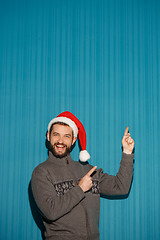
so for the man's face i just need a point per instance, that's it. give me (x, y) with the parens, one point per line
(61, 139)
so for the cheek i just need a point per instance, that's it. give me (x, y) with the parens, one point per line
(53, 140)
(68, 142)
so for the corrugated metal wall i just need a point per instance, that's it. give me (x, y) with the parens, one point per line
(99, 59)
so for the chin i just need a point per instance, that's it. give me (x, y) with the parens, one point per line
(57, 154)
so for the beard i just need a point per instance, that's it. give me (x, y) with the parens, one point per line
(58, 155)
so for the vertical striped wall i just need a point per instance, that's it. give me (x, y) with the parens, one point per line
(99, 59)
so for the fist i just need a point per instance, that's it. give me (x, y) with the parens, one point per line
(86, 182)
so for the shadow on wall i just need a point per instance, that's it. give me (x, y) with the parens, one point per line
(35, 211)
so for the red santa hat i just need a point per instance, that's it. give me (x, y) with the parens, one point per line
(78, 129)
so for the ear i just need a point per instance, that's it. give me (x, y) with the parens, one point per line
(48, 136)
(74, 139)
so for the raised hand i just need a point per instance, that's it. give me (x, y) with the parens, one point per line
(86, 182)
(127, 142)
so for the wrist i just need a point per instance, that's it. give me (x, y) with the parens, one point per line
(127, 151)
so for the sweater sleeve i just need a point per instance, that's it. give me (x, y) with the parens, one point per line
(119, 184)
(50, 205)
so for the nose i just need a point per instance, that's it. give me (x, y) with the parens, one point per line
(60, 139)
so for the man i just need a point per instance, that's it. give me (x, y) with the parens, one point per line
(67, 192)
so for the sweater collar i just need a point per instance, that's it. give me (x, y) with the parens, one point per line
(60, 161)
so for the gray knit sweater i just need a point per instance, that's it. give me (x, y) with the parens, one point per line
(69, 213)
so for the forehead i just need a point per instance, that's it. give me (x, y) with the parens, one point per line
(63, 129)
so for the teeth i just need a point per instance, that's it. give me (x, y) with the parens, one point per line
(60, 146)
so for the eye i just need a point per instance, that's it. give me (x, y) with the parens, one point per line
(55, 134)
(67, 136)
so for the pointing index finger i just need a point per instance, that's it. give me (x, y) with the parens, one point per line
(126, 131)
(91, 171)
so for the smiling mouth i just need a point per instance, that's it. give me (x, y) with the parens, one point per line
(60, 147)
(60, 150)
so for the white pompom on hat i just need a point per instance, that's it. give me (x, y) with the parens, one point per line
(78, 129)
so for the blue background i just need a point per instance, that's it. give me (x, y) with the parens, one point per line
(99, 59)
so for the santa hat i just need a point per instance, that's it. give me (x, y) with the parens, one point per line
(78, 129)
